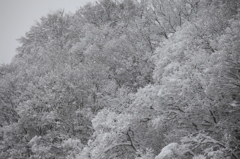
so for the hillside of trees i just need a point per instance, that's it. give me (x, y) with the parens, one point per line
(126, 79)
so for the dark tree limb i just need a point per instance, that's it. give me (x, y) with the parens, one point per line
(130, 139)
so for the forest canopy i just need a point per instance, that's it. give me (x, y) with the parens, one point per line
(126, 79)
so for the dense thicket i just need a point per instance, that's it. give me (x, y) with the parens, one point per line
(130, 79)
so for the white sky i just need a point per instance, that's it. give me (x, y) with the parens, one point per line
(17, 16)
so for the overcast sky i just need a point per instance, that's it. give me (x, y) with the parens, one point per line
(17, 16)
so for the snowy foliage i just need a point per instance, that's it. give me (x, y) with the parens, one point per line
(127, 79)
